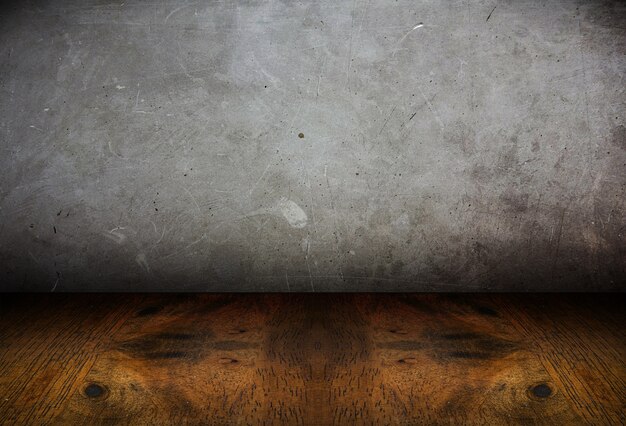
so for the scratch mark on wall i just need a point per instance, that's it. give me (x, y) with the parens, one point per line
(193, 199)
(431, 108)
(173, 12)
(387, 120)
(420, 25)
(258, 180)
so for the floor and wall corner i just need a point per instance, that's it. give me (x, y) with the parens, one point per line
(315, 212)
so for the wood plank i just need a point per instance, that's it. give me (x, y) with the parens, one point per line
(312, 359)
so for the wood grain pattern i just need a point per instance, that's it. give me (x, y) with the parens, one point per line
(316, 359)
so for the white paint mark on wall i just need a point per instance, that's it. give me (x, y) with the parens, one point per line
(402, 224)
(420, 25)
(292, 212)
(116, 236)
(118, 87)
(143, 262)
(289, 210)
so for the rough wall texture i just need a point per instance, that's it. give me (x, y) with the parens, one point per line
(313, 145)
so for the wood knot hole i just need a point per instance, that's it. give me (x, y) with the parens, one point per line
(94, 390)
(541, 390)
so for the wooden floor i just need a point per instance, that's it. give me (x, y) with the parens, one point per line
(312, 359)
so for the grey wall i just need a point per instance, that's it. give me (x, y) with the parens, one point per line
(447, 145)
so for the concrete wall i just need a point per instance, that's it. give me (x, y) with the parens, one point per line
(313, 145)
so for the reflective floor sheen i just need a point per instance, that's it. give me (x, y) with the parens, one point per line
(313, 359)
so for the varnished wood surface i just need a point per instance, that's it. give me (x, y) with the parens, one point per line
(316, 359)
